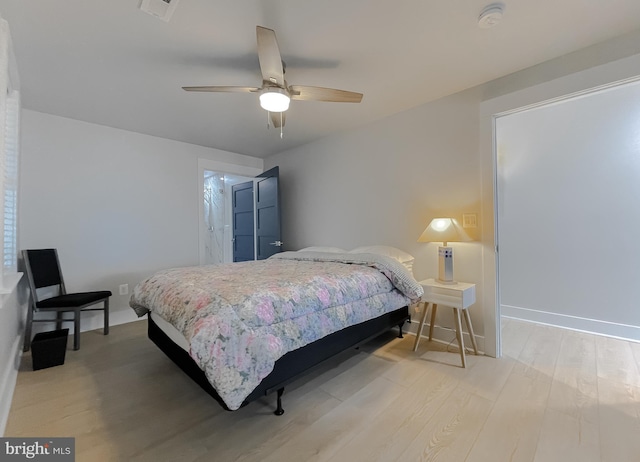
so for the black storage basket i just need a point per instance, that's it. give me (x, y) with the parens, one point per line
(49, 348)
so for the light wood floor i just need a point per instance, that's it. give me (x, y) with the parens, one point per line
(557, 395)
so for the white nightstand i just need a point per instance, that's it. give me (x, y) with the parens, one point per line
(459, 296)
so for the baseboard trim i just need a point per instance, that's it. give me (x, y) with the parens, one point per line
(8, 383)
(593, 326)
(92, 320)
(116, 317)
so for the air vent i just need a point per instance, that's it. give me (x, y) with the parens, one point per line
(161, 9)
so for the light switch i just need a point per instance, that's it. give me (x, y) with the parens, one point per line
(469, 220)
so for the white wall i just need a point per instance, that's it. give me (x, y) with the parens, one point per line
(568, 217)
(383, 183)
(117, 205)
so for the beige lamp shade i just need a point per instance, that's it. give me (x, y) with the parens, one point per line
(444, 230)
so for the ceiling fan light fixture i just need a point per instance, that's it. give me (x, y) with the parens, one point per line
(274, 100)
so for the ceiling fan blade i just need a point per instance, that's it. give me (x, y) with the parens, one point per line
(269, 56)
(220, 88)
(275, 119)
(301, 92)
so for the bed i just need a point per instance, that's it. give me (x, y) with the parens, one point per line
(244, 330)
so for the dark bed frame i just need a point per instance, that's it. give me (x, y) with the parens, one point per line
(293, 364)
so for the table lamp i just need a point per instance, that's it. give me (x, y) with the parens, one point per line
(444, 230)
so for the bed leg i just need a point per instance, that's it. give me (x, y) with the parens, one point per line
(400, 334)
(279, 410)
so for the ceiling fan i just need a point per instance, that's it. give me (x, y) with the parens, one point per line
(275, 92)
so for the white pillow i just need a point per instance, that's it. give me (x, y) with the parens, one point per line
(323, 249)
(392, 252)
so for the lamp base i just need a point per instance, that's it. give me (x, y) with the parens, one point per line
(450, 282)
(445, 265)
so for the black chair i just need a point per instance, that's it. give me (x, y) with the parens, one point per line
(43, 271)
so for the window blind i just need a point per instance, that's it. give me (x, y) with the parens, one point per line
(9, 171)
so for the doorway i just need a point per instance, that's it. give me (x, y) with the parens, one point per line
(255, 208)
(218, 215)
(228, 232)
(211, 246)
(503, 103)
(567, 189)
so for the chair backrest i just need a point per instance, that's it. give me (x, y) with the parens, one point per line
(43, 269)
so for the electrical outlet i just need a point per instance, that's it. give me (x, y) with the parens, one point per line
(124, 289)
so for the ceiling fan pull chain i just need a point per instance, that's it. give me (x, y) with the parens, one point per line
(281, 125)
(268, 117)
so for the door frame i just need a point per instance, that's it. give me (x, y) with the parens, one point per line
(222, 167)
(596, 78)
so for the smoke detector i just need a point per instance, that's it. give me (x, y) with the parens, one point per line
(161, 9)
(491, 15)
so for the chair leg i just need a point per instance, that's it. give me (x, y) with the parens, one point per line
(59, 317)
(76, 330)
(27, 329)
(106, 317)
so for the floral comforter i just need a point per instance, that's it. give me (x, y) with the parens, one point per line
(239, 318)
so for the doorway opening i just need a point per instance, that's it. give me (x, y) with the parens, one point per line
(239, 212)
(566, 176)
(218, 217)
(210, 251)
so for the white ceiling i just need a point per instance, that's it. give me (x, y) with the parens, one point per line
(107, 62)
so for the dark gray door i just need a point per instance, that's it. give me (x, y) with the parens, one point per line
(242, 208)
(268, 239)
